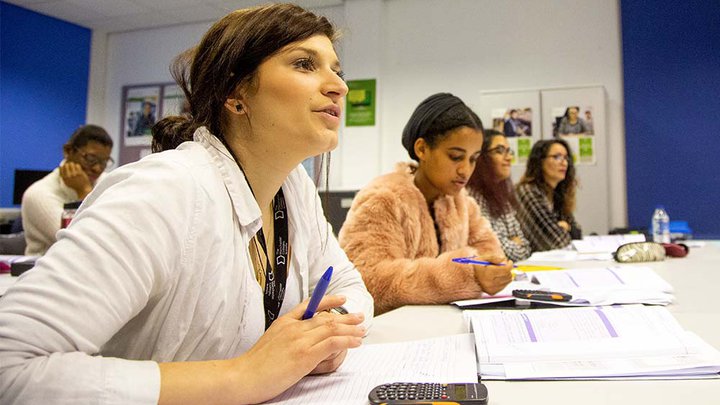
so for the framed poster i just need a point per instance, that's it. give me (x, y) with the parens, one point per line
(140, 109)
(142, 106)
(575, 123)
(517, 115)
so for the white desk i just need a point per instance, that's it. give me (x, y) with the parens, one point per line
(696, 279)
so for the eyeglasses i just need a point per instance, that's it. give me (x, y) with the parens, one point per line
(559, 157)
(88, 161)
(502, 150)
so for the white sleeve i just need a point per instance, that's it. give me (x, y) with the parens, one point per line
(41, 212)
(100, 274)
(324, 251)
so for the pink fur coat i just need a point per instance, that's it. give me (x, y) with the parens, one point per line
(390, 236)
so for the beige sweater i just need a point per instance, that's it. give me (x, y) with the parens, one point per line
(390, 236)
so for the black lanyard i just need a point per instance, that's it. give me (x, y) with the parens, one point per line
(275, 280)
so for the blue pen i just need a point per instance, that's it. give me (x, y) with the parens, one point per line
(317, 295)
(470, 260)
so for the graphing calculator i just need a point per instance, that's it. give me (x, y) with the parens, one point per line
(429, 393)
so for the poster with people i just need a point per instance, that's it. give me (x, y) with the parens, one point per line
(515, 113)
(140, 106)
(517, 125)
(574, 123)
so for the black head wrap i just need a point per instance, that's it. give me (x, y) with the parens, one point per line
(423, 118)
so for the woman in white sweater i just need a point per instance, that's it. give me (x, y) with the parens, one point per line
(183, 277)
(86, 155)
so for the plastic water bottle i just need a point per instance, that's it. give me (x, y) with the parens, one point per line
(660, 225)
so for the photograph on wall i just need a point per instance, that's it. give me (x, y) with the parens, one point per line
(360, 103)
(516, 124)
(141, 108)
(574, 123)
(174, 102)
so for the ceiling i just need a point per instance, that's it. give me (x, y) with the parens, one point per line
(128, 15)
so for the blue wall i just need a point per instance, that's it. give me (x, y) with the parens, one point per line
(671, 63)
(44, 66)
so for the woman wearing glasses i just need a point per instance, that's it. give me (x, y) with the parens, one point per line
(492, 187)
(86, 156)
(547, 196)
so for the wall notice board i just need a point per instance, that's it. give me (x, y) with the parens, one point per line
(142, 106)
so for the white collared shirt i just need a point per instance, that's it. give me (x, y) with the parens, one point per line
(155, 267)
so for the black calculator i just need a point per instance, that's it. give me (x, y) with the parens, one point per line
(426, 393)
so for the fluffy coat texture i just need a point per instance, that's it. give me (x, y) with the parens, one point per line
(390, 236)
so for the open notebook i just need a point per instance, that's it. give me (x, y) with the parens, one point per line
(445, 359)
(632, 341)
(588, 287)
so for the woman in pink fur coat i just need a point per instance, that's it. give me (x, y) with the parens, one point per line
(404, 228)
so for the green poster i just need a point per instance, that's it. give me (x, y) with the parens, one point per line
(586, 150)
(523, 150)
(360, 105)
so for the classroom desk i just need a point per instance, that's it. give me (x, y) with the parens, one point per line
(696, 279)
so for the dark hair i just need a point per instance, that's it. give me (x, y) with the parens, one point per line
(88, 133)
(434, 117)
(567, 110)
(228, 57)
(564, 193)
(499, 195)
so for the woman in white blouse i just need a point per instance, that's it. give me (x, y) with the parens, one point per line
(183, 277)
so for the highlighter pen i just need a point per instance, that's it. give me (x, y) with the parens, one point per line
(317, 295)
(470, 260)
(541, 295)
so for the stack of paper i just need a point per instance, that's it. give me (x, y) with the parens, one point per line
(605, 243)
(594, 247)
(449, 359)
(588, 343)
(594, 286)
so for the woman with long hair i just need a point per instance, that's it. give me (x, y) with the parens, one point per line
(404, 228)
(547, 196)
(491, 185)
(184, 276)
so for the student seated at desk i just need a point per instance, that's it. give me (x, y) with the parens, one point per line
(182, 277)
(491, 186)
(547, 196)
(86, 155)
(404, 228)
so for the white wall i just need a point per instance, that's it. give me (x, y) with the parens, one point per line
(416, 48)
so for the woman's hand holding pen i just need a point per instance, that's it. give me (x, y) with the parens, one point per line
(293, 348)
(493, 278)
